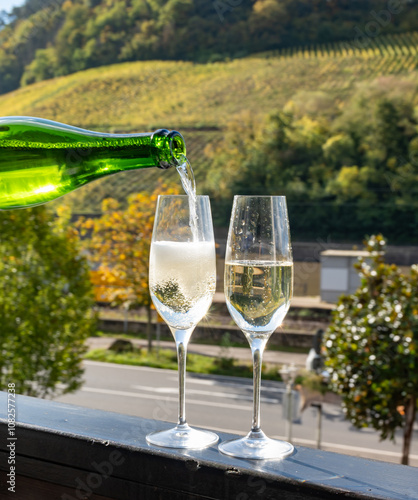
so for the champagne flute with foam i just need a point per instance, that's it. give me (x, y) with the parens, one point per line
(182, 280)
(258, 289)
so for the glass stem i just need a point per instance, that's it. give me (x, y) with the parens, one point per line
(257, 349)
(182, 338)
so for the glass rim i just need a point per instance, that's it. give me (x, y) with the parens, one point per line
(258, 196)
(182, 196)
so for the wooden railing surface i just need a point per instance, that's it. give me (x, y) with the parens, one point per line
(65, 452)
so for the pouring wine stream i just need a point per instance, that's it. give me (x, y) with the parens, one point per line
(189, 185)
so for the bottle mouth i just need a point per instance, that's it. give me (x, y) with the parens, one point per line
(177, 146)
(173, 152)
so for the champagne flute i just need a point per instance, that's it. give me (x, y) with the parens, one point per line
(258, 289)
(182, 280)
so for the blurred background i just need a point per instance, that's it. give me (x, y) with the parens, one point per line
(313, 99)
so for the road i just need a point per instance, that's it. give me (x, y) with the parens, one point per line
(224, 404)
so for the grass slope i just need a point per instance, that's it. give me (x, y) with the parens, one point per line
(196, 363)
(200, 99)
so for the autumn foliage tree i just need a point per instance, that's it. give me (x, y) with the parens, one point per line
(119, 244)
(372, 348)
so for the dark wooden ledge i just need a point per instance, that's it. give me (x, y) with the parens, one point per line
(65, 452)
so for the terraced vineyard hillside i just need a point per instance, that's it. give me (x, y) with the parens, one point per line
(200, 99)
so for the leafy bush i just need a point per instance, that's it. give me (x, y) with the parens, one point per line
(372, 348)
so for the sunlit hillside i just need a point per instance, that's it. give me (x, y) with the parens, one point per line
(198, 99)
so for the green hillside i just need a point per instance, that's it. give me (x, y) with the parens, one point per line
(47, 38)
(134, 96)
(200, 99)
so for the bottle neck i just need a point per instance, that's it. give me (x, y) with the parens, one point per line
(170, 146)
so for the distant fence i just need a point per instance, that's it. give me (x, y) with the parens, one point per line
(213, 333)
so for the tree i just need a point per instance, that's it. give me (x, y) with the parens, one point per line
(119, 244)
(345, 169)
(41, 68)
(372, 348)
(9, 72)
(45, 304)
(277, 156)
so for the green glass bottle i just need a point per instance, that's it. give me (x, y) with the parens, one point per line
(41, 160)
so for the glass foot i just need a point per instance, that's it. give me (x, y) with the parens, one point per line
(183, 436)
(256, 446)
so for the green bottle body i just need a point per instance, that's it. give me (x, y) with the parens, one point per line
(41, 160)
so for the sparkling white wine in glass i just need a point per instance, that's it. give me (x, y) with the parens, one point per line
(182, 279)
(258, 293)
(258, 289)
